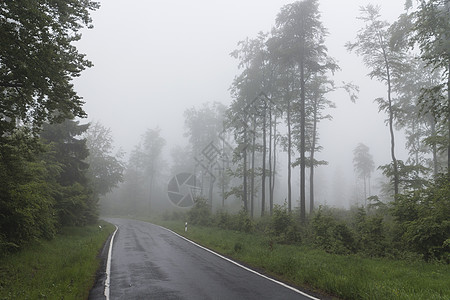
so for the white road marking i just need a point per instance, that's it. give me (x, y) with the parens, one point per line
(243, 267)
(108, 265)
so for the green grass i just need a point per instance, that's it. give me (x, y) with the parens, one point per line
(346, 277)
(63, 268)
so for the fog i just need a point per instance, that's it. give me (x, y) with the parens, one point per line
(155, 59)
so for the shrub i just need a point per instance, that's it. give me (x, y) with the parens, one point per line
(223, 220)
(332, 235)
(200, 213)
(243, 222)
(423, 218)
(283, 225)
(370, 233)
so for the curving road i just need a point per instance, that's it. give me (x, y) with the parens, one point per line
(150, 262)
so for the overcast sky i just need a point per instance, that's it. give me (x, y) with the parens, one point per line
(154, 59)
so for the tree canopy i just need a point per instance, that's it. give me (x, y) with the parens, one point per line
(38, 61)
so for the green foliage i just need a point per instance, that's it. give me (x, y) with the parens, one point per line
(200, 213)
(26, 193)
(424, 219)
(283, 225)
(369, 233)
(39, 61)
(105, 170)
(409, 176)
(75, 201)
(40, 185)
(244, 222)
(332, 235)
(342, 276)
(240, 221)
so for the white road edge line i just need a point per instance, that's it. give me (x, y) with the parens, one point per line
(108, 265)
(243, 267)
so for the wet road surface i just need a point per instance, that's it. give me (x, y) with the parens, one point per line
(150, 262)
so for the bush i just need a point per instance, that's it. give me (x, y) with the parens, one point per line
(283, 225)
(223, 220)
(423, 219)
(332, 235)
(200, 213)
(370, 234)
(243, 222)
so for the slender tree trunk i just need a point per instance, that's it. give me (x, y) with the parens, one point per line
(223, 166)
(302, 142)
(313, 148)
(263, 177)
(365, 191)
(391, 120)
(274, 156)
(289, 156)
(433, 146)
(211, 189)
(150, 193)
(391, 130)
(252, 183)
(270, 162)
(448, 114)
(417, 143)
(244, 192)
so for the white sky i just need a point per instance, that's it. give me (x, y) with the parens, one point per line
(153, 59)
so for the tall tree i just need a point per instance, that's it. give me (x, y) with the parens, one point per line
(150, 152)
(422, 129)
(250, 90)
(76, 203)
(431, 32)
(303, 36)
(364, 166)
(318, 88)
(38, 61)
(203, 127)
(105, 169)
(384, 61)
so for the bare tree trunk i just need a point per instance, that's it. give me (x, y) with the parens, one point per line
(313, 148)
(263, 177)
(365, 191)
(391, 119)
(302, 142)
(244, 192)
(270, 162)
(289, 156)
(252, 183)
(391, 130)
(448, 114)
(150, 193)
(211, 189)
(274, 156)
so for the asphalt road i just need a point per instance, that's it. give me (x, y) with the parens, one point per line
(150, 262)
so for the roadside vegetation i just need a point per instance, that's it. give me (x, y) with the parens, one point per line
(62, 268)
(378, 252)
(343, 276)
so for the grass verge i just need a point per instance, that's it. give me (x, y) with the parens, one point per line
(345, 277)
(63, 268)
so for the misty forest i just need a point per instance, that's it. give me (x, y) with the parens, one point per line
(249, 165)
